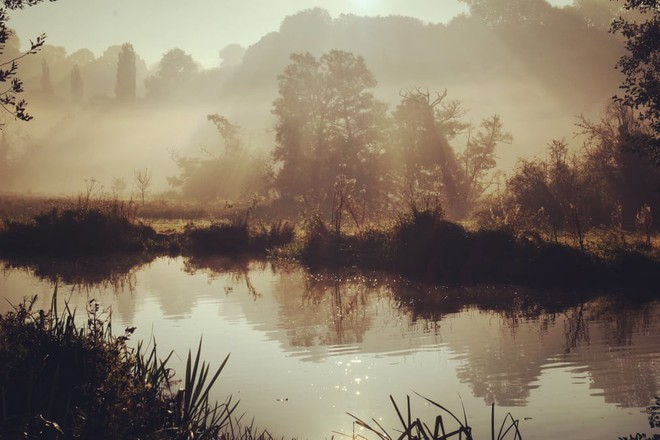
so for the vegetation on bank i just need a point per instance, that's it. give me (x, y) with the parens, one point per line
(420, 244)
(64, 380)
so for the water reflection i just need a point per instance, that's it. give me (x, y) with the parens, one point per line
(325, 336)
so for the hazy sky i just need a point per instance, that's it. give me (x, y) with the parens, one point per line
(199, 27)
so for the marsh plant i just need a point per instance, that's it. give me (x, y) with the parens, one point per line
(63, 380)
(413, 428)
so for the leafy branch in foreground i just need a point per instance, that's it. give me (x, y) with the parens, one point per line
(9, 101)
(415, 429)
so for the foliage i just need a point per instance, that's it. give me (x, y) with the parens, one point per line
(328, 125)
(9, 68)
(76, 85)
(61, 380)
(423, 126)
(174, 69)
(230, 172)
(82, 230)
(503, 12)
(236, 237)
(125, 86)
(432, 171)
(605, 184)
(414, 428)
(642, 63)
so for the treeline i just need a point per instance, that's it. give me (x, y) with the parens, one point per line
(525, 38)
(339, 144)
(339, 151)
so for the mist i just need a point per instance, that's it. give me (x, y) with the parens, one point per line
(537, 77)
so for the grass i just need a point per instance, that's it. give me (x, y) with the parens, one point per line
(414, 428)
(419, 244)
(423, 246)
(64, 380)
(61, 380)
(77, 231)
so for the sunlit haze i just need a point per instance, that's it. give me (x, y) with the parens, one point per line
(199, 27)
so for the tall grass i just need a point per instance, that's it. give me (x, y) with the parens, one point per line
(413, 428)
(62, 380)
(79, 230)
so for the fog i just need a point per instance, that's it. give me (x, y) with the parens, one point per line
(537, 70)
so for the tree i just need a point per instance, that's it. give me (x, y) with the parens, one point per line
(76, 85)
(230, 172)
(142, 182)
(125, 84)
(9, 68)
(175, 69)
(328, 126)
(46, 83)
(423, 127)
(500, 12)
(479, 158)
(641, 65)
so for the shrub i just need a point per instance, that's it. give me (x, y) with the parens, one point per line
(63, 232)
(60, 380)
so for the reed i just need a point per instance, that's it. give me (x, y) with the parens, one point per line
(60, 379)
(413, 428)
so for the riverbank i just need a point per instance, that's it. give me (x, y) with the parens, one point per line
(420, 245)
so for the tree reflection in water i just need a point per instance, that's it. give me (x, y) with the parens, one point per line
(504, 339)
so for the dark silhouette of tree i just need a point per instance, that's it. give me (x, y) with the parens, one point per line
(328, 125)
(423, 126)
(642, 68)
(616, 173)
(502, 12)
(174, 70)
(9, 68)
(76, 85)
(142, 183)
(606, 183)
(642, 64)
(125, 85)
(47, 88)
(479, 158)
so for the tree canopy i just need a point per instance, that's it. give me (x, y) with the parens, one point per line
(641, 66)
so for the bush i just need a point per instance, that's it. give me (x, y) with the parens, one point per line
(60, 380)
(75, 231)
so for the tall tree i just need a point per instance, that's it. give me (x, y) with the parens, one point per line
(328, 126)
(479, 158)
(47, 88)
(423, 126)
(76, 83)
(125, 85)
(174, 70)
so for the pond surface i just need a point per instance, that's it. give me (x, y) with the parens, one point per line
(307, 349)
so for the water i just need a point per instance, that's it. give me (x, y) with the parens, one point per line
(306, 349)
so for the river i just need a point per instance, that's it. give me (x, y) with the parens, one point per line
(305, 349)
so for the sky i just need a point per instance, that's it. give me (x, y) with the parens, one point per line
(199, 27)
